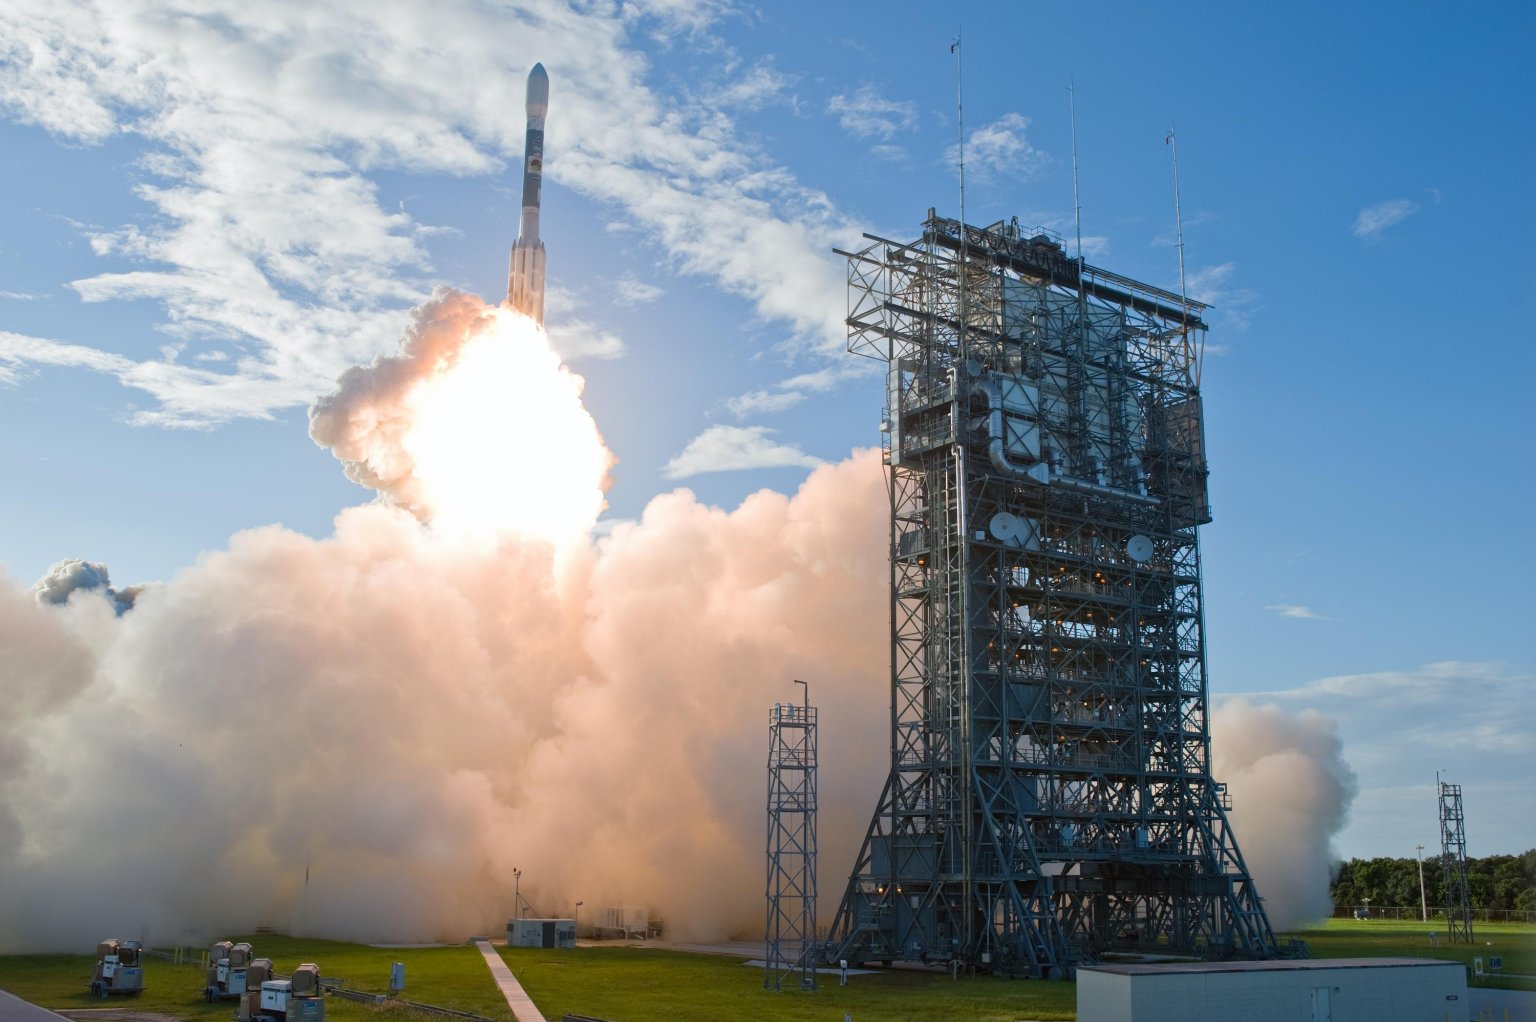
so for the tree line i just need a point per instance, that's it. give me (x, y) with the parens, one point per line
(1493, 882)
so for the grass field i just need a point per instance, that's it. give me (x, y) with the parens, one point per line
(1515, 943)
(636, 984)
(453, 977)
(642, 985)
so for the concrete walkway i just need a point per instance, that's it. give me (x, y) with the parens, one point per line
(14, 1009)
(521, 1005)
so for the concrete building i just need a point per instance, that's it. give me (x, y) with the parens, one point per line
(1320, 990)
(541, 933)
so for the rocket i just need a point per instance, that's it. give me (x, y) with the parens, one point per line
(525, 277)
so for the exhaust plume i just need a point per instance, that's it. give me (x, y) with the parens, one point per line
(361, 736)
(1291, 792)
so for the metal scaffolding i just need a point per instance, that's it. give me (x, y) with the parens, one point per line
(1453, 863)
(791, 930)
(1049, 795)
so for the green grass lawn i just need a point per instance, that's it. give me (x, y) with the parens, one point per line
(638, 984)
(452, 977)
(642, 985)
(1350, 938)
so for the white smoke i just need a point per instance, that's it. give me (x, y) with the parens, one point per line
(362, 736)
(1291, 790)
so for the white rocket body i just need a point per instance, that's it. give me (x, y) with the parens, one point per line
(525, 275)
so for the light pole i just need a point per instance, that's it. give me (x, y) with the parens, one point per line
(517, 893)
(576, 918)
(1423, 902)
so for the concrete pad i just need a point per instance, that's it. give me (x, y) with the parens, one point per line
(521, 1004)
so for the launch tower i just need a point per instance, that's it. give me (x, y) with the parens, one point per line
(1050, 795)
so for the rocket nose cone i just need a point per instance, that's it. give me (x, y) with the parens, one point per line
(538, 91)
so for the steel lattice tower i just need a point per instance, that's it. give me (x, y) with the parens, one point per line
(791, 930)
(1453, 864)
(1049, 794)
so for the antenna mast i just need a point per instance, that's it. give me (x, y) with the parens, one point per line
(960, 124)
(1077, 200)
(1172, 140)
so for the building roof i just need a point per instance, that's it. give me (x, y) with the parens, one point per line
(1280, 965)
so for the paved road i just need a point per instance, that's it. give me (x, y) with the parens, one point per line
(14, 1009)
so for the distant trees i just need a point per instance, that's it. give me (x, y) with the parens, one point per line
(1494, 882)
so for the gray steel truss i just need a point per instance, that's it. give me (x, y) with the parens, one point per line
(790, 935)
(1050, 795)
(1453, 863)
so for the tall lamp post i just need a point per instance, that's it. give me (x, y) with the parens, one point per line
(576, 918)
(517, 893)
(1423, 902)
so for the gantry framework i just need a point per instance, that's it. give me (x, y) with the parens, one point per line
(790, 936)
(1453, 864)
(1050, 795)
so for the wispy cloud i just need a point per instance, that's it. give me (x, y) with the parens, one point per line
(788, 393)
(264, 125)
(20, 296)
(864, 113)
(19, 350)
(631, 290)
(1296, 610)
(1372, 220)
(1214, 286)
(1000, 150)
(759, 86)
(729, 448)
(757, 402)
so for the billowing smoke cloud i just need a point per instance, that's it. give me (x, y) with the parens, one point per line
(1291, 791)
(362, 736)
(71, 576)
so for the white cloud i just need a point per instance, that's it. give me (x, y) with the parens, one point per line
(574, 339)
(631, 290)
(1295, 610)
(20, 296)
(760, 86)
(864, 113)
(19, 350)
(792, 391)
(1372, 220)
(1000, 150)
(756, 402)
(1213, 286)
(264, 124)
(729, 448)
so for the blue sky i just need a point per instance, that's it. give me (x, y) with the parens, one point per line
(211, 214)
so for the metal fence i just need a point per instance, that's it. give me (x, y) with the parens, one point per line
(1436, 915)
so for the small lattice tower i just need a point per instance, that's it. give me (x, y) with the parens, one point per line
(1453, 864)
(791, 930)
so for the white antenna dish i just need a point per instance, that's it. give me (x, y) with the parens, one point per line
(1139, 548)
